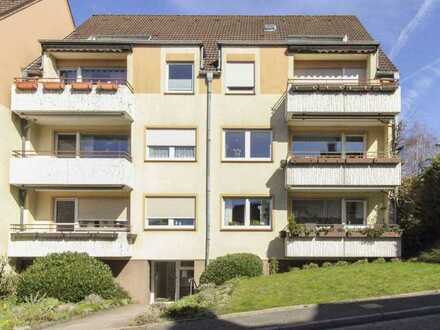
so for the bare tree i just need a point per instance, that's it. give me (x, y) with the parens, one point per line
(419, 147)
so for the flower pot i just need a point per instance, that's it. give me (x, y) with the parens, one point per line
(53, 85)
(82, 86)
(27, 85)
(107, 86)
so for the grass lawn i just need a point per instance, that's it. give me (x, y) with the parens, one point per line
(323, 285)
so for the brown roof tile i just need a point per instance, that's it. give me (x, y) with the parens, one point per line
(9, 6)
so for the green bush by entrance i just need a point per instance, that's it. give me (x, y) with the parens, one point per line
(230, 266)
(68, 277)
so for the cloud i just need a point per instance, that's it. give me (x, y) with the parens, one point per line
(404, 35)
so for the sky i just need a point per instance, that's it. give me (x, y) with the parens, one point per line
(408, 30)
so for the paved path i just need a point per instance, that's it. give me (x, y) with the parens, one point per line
(111, 319)
(322, 316)
(428, 322)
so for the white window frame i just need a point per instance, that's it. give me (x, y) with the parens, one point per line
(344, 213)
(65, 199)
(238, 89)
(167, 71)
(247, 146)
(77, 142)
(170, 225)
(344, 143)
(247, 214)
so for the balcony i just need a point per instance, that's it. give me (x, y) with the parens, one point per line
(87, 170)
(100, 238)
(341, 97)
(50, 101)
(335, 172)
(330, 241)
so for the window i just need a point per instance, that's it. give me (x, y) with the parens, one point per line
(329, 211)
(240, 77)
(180, 77)
(68, 75)
(329, 75)
(354, 145)
(170, 212)
(354, 212)
(104, 145)
(247, 145)
(66, 145)
(171, 144)
(244, 212)
(316, 146)
(118, 75)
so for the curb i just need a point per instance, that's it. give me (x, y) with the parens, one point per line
(359, 320)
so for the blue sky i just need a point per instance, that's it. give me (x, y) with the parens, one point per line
(407, 29)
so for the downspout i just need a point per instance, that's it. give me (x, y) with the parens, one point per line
(24, 126)
(209, 77)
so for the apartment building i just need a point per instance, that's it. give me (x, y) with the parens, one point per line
(22, 24)
(158, 143)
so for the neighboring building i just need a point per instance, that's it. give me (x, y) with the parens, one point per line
(22, 24)
(301, 111)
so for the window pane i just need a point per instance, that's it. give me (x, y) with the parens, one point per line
(104, 145)
(184, 152)
(68, 76)
(158, 152)
(158, 222)
(317, 211)
(316, 146)
(354, 212)
(183, 222)
(234, 212)
(261, 144)
(180, 77)
(95, 75)
(260, 212)
(354, 145)
(235, 144)
(66, 144)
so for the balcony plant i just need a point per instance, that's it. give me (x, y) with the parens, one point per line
(107, 86)
(53, 85)
(26, 85)
(82, 86)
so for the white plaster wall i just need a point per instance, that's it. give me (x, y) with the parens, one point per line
(343, 247)
(96, 248)
(72, 101)
(46, 170)
(370, 175)
(316, 102)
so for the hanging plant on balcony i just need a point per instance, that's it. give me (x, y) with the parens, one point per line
(82, 86)
(53, 85)
(295, 229)
(107, 86)
(26, 85)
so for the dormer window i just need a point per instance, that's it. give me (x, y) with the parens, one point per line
(270, 27)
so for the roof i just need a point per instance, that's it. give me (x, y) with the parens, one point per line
(9, 6)
(210, 29)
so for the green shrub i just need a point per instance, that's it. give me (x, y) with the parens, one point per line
(327, 264)
(274, 266)
(341, 263)
(379, 261)
(431, 256)
(8, 279)
(361, 262)
(230, 266)
(68, 277)
(294, 269)
(311, 265)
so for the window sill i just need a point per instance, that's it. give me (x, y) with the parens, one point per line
(243, 228)
(240, 93)
(228, 160)
(170, 161)
(179, 93)
(164, 228)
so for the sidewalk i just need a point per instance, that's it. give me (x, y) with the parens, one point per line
(322, 316)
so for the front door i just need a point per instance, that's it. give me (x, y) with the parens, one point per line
(172, 280)
(65, 213)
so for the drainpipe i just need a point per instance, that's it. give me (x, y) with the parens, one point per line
(209, 77)
(24, 126)
(22, 201)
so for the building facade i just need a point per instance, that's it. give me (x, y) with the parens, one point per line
(158, 143)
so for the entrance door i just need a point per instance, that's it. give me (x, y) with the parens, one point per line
(65, 213)
(186, 276)
(164, 280)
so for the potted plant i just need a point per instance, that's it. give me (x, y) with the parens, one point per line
(107, 86)
(82, 86)
(26, 84)
(53, 85)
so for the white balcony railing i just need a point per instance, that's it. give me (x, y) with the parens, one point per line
(341, 97)
(98, 238)
(337, 172)
(47, 170)
(30, 97)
